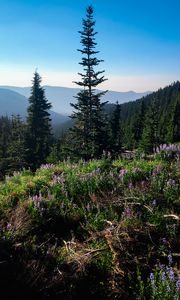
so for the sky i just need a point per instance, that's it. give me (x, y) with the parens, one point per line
(138, 40)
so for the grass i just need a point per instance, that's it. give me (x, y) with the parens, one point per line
(86, 229)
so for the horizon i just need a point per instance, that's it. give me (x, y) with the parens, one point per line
(139, 43)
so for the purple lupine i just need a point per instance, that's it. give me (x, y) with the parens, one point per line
(178, 284)
(170, 259)
(164, 240)
(128, 213)
(130, 185)
(8, 226)
(171, 274)
(152, 279)
(171, 183)
(168, 149)
(163, 277)
(154, 203)
(157, 170)
(47, 166)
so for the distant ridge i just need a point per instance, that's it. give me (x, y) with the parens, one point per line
(60, 97)
(11, 102)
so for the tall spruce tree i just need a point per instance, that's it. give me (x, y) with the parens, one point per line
(38, 125)
(89, 131)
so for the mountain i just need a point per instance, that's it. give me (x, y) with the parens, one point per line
(61, 97)
(11, 102)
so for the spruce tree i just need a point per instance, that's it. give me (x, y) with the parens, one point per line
(116, 132)
(5, 138)
(138, 124)
(150, 138)
(89, 132)
(38, 125)
(16, 147)
(176, 120)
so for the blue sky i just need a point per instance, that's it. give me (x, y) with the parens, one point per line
(139, 41)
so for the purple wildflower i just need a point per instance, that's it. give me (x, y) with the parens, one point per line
(163, 277)
(170, 259)
(164, 240)
(178, 284)
(47, 166)
(130, 185)
(8, 226)
(154, 203)
(171, 274)
(122, 172)
(152, 278)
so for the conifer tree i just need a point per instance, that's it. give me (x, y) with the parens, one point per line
(89, 130)
(5, 137)
(116, 132)
(150, 137)
(38, 125)
(138, 124)
(16, 147)
(176, 120)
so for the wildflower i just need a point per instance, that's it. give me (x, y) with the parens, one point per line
(47, 166)
(171, 274)
(122, 172)
(157, 170)
(130, 185)
(171, 183)
(163, 277)
(152, 280)
(8, 226)
(154, 203)
(128, 213)
(170, 259)
(178, 284)
(164, 240)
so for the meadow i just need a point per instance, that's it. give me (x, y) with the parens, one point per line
(101, 229)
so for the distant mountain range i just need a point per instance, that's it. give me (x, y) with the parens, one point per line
(12, 102)
(60, 97)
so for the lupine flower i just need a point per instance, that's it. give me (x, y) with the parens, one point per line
(164, 240)
(130, 185)
(47, 166)
(152, 278)
(157, 170)
(178, 284)
(163, 277)
(154, 203)
(170, 259)
(171, 274)
(8, 226)
(171, 183)
(128, 213)
(122, 173)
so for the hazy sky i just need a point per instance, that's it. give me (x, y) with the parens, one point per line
(139, 41)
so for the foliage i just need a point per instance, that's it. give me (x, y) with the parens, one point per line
(38, 126)
(88, 133)
(94, 221)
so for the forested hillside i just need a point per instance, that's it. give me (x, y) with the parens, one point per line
(167, 105)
